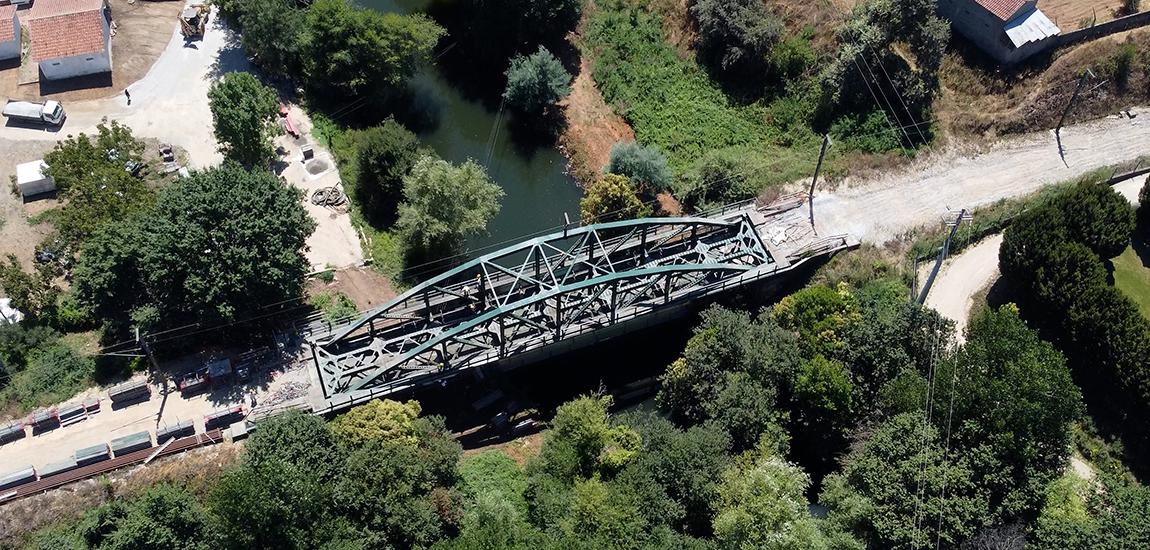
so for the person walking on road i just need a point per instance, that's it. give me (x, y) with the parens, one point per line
(128, 95)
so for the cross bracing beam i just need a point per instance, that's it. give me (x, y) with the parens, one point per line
(536, 293)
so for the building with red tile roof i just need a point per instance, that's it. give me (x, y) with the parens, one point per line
(1010, 31)
(70, 37)
(9, 34)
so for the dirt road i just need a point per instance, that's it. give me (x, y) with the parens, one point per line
(964, 275)
(960, 279)
(879, 210)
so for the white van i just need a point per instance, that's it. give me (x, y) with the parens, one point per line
(50, 113)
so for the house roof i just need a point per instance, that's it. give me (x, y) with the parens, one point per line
(52, 8)
(7, 31)
(66, 35)
(1032, 26)
(1002, 9)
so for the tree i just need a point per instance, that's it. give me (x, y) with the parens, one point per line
(244, 112)
(384, 156)
(352, 52)
(280, 496)
(34, 294)
(163, 517)
(762, 505)
(645, 166)
(1012, 402)
(273, 33)
(93, 175)
(1098, 217)
(582, 442)
(53, 374)
(903, 490)
(445, 204)
(382, 420)
(536, 82)
(222, 242)
(820, 315)
(736, 36)
(686, 466)
(611, 198)
(1065, 274)
(726, 341)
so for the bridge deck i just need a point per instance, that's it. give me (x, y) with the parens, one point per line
(555, 289)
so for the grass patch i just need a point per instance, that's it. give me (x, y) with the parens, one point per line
(383, 247)
(672, 104)
(336, 306)
(1133, 279)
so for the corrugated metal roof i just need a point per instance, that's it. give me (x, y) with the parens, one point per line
(1032, 26)
(1003, 9)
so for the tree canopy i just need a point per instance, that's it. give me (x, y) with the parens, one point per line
(244, 112)
(445, 204)
(611, 198)
(646, 167)
(221, 243)
(535, 83)
(385, 155)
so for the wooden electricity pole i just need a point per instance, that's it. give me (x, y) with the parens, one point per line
(818, 168)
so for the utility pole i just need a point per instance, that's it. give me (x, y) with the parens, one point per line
(142, 340)
(818, 168)
(942, 254)
(1074, 98)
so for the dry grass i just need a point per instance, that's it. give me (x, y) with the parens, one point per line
(196, 471)
(520, 450)
(1070, 15)
(978, 100)
(823, 17)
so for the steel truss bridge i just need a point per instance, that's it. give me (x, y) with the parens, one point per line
(551, 292)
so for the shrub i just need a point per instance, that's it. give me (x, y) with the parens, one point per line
(611, 198)
(1124, 64)
(335, 306)
(53, 374)
(536, 82)
(646, 167)
(736, 36)
(445, 204)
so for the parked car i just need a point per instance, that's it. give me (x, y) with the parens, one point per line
(49, 113)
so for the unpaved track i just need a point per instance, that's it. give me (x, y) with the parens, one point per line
(965, 275)
(879, 210)
(960, 279)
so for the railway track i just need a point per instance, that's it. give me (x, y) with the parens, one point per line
(92, 470)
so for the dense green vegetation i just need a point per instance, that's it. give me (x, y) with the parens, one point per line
(1057, 258)
(443, 205)
(953, 445)
(203, 253)
(37, 368)
(340, 50)
(244, 112)
(611, 198)
(645, 166)
(536, 82)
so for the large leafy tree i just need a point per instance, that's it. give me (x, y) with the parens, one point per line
(273, 32)
(536, 82)
(162, 517)
(384, 156)
(904, 490)
(762, 505)
(351, 51)
(244, 112)
(94, 180)
(445, 204)
(223, 242)
(1098, 217)
(1008, 399)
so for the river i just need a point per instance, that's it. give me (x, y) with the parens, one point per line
(458, 128)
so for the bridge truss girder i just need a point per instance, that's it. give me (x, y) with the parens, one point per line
(536, 293)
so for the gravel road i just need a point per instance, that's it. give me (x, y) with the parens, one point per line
(881, 209)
